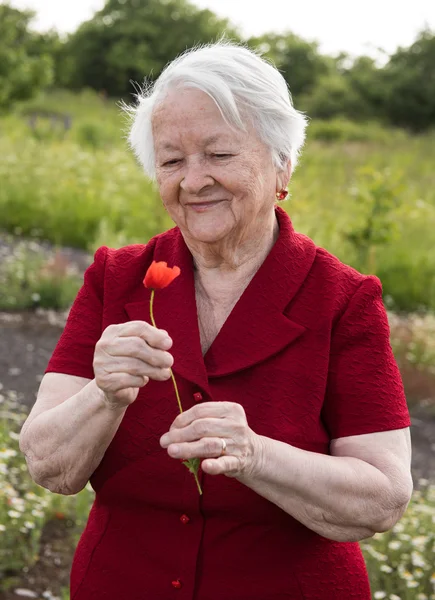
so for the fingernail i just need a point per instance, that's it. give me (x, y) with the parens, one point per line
(164, 440)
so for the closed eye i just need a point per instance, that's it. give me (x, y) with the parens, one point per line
(221, 155)
(168, 163)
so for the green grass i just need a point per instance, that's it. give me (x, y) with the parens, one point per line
(82, 188)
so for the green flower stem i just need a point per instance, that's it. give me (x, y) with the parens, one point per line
(191, 465)
(195, 474)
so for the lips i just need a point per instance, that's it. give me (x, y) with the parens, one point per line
(204, 205)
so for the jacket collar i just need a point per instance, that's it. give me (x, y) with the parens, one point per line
(257, 327)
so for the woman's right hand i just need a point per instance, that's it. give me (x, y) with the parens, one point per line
(127, 356)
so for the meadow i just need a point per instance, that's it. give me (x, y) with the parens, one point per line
(365, 193)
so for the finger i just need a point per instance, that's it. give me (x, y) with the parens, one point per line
(143, 370)
(207, 409)
(224, 465)
(200, 428)
(157, 338)
(123, 381)
(136, 347)
(204, 448)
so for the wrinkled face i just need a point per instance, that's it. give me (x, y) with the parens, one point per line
(214, 181)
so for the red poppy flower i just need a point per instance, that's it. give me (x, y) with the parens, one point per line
(159, 275)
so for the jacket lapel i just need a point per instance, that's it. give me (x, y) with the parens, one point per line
(257, 327)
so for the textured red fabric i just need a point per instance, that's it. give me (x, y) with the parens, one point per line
(305, 351)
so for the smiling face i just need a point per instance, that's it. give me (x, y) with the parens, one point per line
(217, 184)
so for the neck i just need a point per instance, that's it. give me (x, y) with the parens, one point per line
(223, 268)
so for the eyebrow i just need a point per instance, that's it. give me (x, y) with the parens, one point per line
(210, 140)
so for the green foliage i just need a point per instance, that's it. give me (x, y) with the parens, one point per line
(376, 194)
(299, 61)
(28, 279)
(334, 96)
(25, 62)
(68, 205)
(400, 562)
(410, 84)
(129, 40)
(369, 198)
(366, 81)
(24, 506)
(343, 130)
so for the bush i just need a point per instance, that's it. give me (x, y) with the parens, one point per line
(30, 279)
(343, 130)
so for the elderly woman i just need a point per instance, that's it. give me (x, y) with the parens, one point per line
(292, 399)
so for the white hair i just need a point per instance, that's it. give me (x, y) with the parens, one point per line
(244, 86)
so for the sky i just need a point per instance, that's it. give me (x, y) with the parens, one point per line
(337, 25)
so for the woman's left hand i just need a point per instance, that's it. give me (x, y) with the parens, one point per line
(199, 431)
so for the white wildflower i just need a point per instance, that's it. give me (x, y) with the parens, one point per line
(394, 545)
(418, 560)
(7, 453)
(386, 569)
(420, 541)
(380, 595)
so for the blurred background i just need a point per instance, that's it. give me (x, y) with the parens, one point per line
(364, 189)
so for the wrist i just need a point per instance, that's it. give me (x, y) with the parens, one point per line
(255, 466)
(106, 402)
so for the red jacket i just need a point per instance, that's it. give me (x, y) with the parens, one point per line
(305, 351)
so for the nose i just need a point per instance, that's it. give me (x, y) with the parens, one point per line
(196, 177)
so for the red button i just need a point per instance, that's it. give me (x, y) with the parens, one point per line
(176, 584)
(197, 397)
(184, 519)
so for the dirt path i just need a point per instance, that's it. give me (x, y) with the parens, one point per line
(27, 341)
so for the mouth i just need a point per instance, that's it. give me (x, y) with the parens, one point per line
(203, 206)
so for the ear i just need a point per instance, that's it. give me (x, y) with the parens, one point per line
(283, 176)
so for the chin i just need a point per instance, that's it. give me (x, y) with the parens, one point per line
(208, 231)
(207, 236)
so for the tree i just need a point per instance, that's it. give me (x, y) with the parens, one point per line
(410, 84)
(25, 64)
(367, 81)
(333, 96)
(131, 39)
(299, 61)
